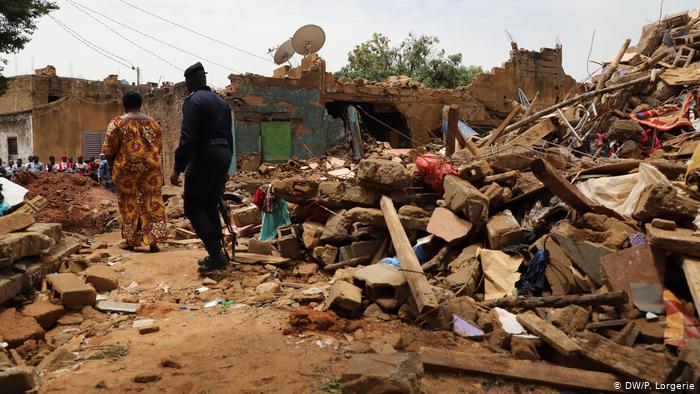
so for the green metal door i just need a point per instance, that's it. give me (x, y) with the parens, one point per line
(276, 141)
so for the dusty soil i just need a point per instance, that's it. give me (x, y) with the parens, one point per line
(239, 348)
(80, 204)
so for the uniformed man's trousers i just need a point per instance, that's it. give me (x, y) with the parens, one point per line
(205, 179)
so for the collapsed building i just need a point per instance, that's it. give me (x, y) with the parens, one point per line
(303, 111)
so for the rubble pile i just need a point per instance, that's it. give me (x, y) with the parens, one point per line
(75, 201)
(568, 232)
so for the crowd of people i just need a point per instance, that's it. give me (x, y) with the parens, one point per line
(97, 169)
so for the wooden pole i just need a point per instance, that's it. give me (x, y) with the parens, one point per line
(420, 289)
(611, 69)
(613, 298)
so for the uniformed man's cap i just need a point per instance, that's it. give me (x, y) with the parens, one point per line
(197, 67)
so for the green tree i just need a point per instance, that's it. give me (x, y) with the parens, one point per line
(417, 57)
(17, 23)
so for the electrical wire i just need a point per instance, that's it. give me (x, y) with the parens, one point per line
(196, 32)
(111, 56)
(122, 36)
(156, 39)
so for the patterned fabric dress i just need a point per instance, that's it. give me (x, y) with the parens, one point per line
(135, 141)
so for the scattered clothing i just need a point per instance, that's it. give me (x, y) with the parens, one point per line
(532, 277)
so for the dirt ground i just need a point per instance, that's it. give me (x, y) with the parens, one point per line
(239, 348)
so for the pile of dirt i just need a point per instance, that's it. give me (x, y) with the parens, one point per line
(77, 202)
(306, 319)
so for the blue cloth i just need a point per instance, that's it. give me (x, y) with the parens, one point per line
(464, 129)
(4, 207)
(396, 263)
(392, 261)
(206, 117)
(271, 221)
(532, 277)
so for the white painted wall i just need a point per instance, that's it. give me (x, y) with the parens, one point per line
(17, 125)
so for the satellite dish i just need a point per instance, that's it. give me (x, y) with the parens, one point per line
(308, 39)
(284, 52)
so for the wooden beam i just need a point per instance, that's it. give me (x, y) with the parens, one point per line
(681, 240)
(562, 188)
(420, 289)
(498, 131)
(553, 336)
(575, 100)
(628, 361)
(528, 371)
(452, 129)
(613, 298)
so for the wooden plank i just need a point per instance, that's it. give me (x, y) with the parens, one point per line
(628, 361)
(562, 188)
(553, 336)
(15, 221)
(681, 240)
(691, 268)
(681, 76)
(420, 289)
(498, 132)
(612, 298)
(534, 134)
(452, 129)
(607, 324)
(253, 258)
(528, 371)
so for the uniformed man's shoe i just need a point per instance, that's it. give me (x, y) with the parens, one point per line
(219, 261)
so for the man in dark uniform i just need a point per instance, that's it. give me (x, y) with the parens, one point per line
(204, 154)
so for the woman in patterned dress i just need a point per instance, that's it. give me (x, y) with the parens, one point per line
(133, 147)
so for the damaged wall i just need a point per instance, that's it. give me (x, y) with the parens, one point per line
(29, 91)
(303, 96)
(257, 99)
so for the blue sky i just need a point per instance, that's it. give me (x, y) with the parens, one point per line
(474, 28)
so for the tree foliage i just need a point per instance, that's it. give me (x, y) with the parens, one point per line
(17, 23)
(417, 57)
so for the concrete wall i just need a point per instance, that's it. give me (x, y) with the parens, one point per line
(59, 126)
(16, 125)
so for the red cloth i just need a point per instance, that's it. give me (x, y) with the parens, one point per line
(666, 117)
(680, 325)
(433, 169)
